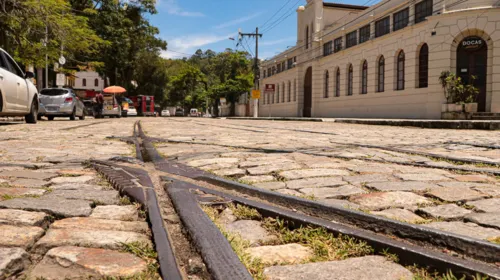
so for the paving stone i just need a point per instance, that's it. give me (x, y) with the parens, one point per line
(325, 164)
(71, 262)
(29, 183)
(22, 218)
(19, 236)
(79, 179)
(227, 216)
(271, 185)
(307, 173)
(485, 219)
(115, 212)
(399, 214)
(53, 206)
(7, 193)
(267, 169)
(315, 182)
(421, 177)
(263, 161)
(202, 162)
(491, 190)
(382, 200)
(256, 179)
(401, 186)
(473, 178)
(337, 192)
(486, 205)
(339, 203)
(369, 178)
(100, 224)
(217, 166)
(467, 229)
(289, 253)
(106, 239)
(445, 211)
(369, 169)
(27, 174)
(290, 192)
(12, 261)
(251, 231)
(98, 196)
(463, 184)
(369, 267)
(76, 186)
(232, 172)
(455, 194)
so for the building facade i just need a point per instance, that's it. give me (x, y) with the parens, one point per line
(384, 61)
(88, 80)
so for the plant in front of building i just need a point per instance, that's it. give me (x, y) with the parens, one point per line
(456, 91)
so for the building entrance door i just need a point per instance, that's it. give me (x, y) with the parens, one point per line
(308, 93)
(472, 55)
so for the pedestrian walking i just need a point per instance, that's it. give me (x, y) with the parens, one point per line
(100, 103)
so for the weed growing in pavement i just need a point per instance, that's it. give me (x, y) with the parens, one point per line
(308, 196)
(96, 203)
(124, 200)
(101, 181)
(495, 240)
(325, 245)
(420, 273)
(390, 256)
(8, 196)
(245, 213)
(70, 175)
(144, 251)
(39, 158)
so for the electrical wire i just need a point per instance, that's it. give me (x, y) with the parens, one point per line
(264, 24)
(282, 18)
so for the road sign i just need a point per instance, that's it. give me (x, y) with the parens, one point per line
(62, 60)
(60, 79)
(270, 88)
(255, 94)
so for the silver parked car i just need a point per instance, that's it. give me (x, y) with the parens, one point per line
(60, 102)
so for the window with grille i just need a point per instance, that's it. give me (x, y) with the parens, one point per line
(401, 71)
(274, 70)
(401, 19)
(84, 82)
(364, 78)
(283, 66)
(269, 72)
(381, 74)
(337, 44)
(351, 39)
(382, 27)
(290, 63)
(423, 10)
(328, 48)
(327, 83)
(337, 83)
(364, 34)
(96, 82)
(279, 67)
(423, 67)
(349, 80)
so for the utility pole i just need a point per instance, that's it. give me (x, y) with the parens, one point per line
(256, 66)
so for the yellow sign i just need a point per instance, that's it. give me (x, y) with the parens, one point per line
(255, 94)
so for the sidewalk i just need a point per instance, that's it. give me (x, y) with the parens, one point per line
(423, 123)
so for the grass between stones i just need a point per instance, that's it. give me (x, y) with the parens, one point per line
(495, 240)
(145, 252)
(420, 273)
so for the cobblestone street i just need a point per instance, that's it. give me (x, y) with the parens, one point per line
(60, 218)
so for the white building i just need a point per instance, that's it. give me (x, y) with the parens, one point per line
(384, 61)
(89, 80)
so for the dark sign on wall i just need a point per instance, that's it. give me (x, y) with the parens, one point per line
(472, 43)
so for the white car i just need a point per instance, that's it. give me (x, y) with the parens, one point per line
(165, 113)
(18, 95)
(131, 111)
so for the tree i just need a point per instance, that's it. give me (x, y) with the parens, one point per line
(188, 87)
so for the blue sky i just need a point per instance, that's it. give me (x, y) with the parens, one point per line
(188, 25)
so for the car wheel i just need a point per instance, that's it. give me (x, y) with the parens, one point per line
(82, 118)
(73, 115)
(51, 118)
(32, 117)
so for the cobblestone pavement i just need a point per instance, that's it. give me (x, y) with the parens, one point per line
(59, 219)
(331, 163)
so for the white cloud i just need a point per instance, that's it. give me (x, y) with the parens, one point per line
(238, 21)
(174, 9)
(275, 42)
(190, 43)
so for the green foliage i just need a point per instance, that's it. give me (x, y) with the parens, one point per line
(244, 212)
(455, 90)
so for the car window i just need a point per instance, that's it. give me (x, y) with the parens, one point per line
(12, 66)
(3, 64)
(53, 91)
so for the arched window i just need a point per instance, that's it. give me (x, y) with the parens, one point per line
(289, 91)
(400, 85)
(349, 80)
(423, 67)
(96, 82)
(277, 93)
(327, 83)
(364, 78)
(381, 74)
(337, 83)
(283, 91)
(307, 37)
(84, 82)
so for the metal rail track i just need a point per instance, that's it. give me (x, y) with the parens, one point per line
(415, 244)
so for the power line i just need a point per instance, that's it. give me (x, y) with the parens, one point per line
(285, 15)
(262, 26)
(249, 48)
